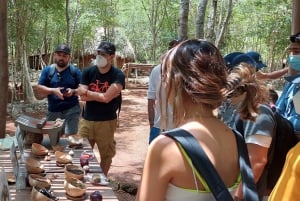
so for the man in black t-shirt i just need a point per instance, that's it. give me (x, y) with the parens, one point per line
(100, 88)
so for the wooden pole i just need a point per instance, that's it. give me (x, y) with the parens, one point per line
(3, 66)
(295, 17)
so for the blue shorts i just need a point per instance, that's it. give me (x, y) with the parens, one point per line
(71, 117)
(154, 132)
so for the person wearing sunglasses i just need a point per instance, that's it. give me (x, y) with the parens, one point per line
(247, 110)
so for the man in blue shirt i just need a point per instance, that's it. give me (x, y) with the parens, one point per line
(288, 103)
(59, 82)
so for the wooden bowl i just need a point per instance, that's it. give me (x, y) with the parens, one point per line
(38, 149)
(74, 187)
(74, 171)
(38, 196)
(62, 157)
(58, 147)
(39, 181)
(33, 166)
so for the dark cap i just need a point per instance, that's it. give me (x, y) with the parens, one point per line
(63, 48)
(243, 58)
(229, 58)
(295, 38)
(257, 58)
(106, 47)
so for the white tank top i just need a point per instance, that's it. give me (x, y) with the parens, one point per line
(175, 193)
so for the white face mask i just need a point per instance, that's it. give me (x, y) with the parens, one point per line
(101, 61)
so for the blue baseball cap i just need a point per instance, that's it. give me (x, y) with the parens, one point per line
(229, 57)
(243, 58)
(257, 58)
(63, 48)
(106, 47)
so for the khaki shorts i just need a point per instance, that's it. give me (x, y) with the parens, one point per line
(101, 133)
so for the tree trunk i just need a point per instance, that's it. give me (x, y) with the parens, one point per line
(224, 24)
(295, 17)
(21, 56)
(75, 23)
(3, 66)
(212, 21)
(45, 42)
(28, 90)
(156, 14)
(183, 19)
(200, 18)
(68, 22)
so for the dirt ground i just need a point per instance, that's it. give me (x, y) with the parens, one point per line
(132, 141)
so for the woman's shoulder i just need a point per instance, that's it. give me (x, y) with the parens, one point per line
(161, 142)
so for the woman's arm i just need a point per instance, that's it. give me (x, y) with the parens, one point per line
(156, 172)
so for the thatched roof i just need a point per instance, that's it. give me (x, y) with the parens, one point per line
(124, 48)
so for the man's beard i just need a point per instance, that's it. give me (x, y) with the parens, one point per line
(61, 64)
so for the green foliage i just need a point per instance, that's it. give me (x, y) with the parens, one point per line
(261, 25)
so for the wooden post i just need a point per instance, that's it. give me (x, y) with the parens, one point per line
(295, 17)
(3, 66)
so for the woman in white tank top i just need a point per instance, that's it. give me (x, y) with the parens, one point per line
(193, 76)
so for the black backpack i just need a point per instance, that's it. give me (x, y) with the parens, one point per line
(283, 140)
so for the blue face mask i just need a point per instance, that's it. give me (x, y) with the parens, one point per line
(294, 61)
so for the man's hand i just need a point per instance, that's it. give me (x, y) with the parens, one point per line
(82, 91)
(57, 92)
(69, 92)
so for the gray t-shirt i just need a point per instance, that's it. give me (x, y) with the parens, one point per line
(258, 132)
(262, 129)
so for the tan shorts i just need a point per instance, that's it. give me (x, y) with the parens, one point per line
(101, 133)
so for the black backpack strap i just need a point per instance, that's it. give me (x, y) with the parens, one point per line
(239, 124)
(208, 171)
(249, 186)
(119, 109)
(202, 163)
(72, 72)
(51, 72)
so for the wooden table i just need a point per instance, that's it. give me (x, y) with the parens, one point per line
(51, 169)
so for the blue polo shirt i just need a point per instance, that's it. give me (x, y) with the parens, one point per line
(285, 105)
(63, 79)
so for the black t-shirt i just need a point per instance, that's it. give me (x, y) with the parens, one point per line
(97, 82)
